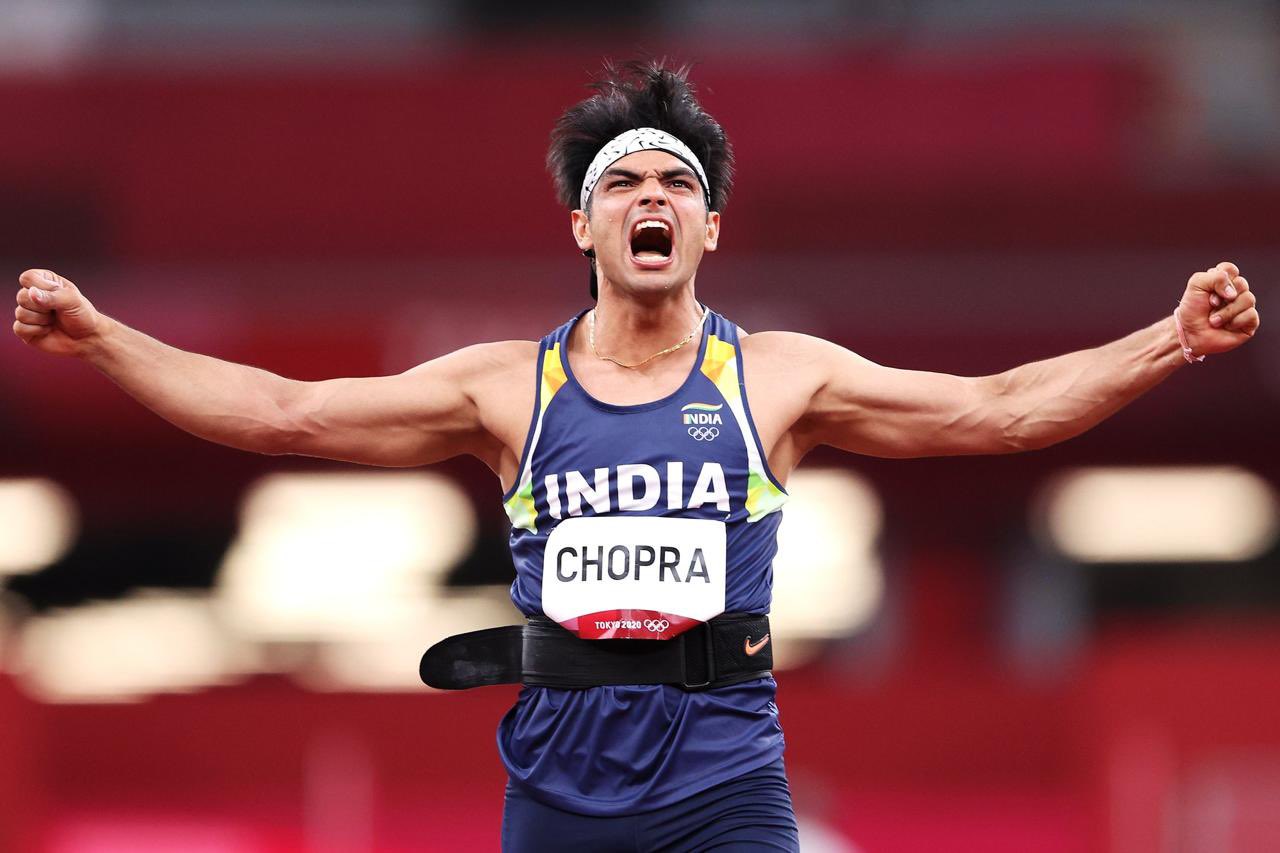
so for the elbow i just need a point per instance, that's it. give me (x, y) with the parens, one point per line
(293, 434)
(1017, 434)
(270, 437)
(1034, 429)
(253, 433)
(1012, 428)
(282, 443)
(288, 426)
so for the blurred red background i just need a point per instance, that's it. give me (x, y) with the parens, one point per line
(959, 202)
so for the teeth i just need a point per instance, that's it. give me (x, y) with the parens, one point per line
(652, 223)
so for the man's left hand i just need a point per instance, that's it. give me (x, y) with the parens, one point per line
(1218, 310)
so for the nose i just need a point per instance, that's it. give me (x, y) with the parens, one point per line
(651, 194)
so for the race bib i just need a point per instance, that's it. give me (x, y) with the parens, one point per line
(633, 577)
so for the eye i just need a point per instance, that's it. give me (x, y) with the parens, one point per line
(681, 183)
(619, 182)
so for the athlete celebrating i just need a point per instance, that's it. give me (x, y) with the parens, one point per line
(644, 470)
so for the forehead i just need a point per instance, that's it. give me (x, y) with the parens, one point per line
(649, 160)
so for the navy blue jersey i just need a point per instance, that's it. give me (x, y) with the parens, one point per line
(639, 522)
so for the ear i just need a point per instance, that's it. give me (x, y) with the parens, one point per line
(581, 230)
(712, 237)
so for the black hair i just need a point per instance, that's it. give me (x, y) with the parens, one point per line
(637, 94)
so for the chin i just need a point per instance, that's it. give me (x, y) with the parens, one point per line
(656, 279)
(653, 283)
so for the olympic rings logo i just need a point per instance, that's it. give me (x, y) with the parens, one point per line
(657, 626)
(703, 433)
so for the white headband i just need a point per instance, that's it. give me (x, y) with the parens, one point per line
(640, 139)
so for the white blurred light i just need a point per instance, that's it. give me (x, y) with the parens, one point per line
(124, 650)
(324, 556)
(390, 661)
(38, 523)
(827, 577)
(1173, 514)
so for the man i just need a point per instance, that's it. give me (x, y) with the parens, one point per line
(644, 489)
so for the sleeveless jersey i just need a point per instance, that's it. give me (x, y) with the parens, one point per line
(691, 455)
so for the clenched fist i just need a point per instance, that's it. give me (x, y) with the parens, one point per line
(52, 315)
(1218, 311)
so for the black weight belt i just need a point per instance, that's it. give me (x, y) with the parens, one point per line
(727, 650)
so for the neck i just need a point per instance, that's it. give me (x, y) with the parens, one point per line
(629, 329)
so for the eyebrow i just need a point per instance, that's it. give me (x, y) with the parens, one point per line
(678, 172)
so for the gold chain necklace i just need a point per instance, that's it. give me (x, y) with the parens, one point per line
(591, 336)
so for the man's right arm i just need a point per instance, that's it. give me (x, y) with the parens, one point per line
(423, 415)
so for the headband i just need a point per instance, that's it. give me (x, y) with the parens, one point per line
(641, 139)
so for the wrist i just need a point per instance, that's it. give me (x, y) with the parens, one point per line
(95, 348)
(1187, 353)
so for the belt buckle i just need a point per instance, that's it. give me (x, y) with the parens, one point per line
(708, 655)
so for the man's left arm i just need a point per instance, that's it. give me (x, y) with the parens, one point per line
(880, 411)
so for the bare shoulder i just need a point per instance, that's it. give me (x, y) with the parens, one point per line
(785, 364)
(789, 349)
(498, 377)
(482, 362)
(496, 380)
(504, 353)
(478, 373)
(782, 371)
(494, 383)
(500, 380)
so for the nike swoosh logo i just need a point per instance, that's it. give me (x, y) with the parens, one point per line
(751, 648)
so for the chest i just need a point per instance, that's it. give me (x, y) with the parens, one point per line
(619, 386)
(684, 452)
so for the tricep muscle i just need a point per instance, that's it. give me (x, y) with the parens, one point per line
(867, 408)
(420, 416)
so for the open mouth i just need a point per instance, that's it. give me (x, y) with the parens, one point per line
(651, 242)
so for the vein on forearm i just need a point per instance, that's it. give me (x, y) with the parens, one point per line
(232, 404)
(1053, 400)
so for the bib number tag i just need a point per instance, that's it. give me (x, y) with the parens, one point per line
(633, 577)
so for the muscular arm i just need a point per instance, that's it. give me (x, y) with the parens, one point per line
(861, 406)
(882, 411)
(420, 416)
(423, 415)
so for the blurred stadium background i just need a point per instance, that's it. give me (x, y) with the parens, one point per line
(1073, 650)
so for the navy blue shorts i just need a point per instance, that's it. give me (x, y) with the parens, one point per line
(751, 812)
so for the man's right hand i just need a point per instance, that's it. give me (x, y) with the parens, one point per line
(52, 315)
